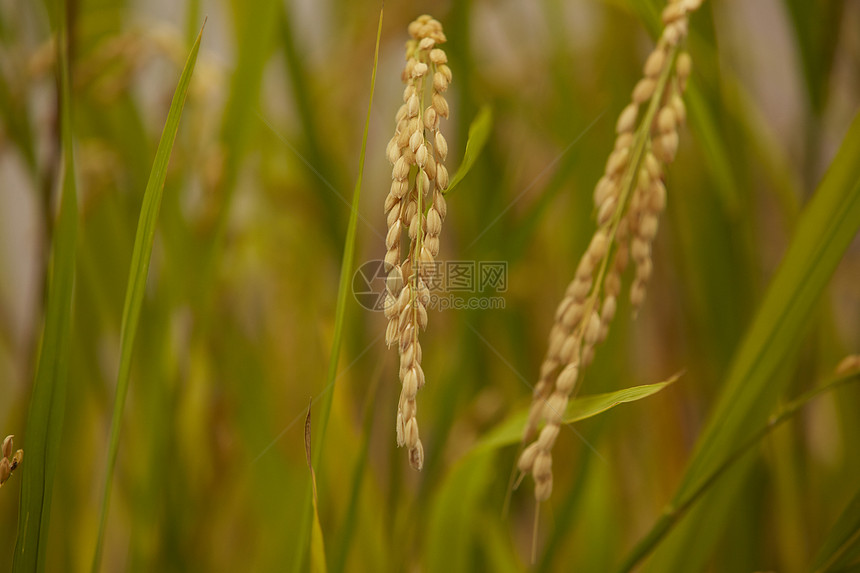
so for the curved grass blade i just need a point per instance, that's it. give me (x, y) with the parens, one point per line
(317, 545)
(137, 278)
(827, 226)
(479, 132)
(675, 512)
(510, 431)
(346, 271)
(44, 427)
(842, 540)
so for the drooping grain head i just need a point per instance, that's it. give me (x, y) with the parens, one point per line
(415, 205)
(628, 201)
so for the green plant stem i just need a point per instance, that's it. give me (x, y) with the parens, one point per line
(340, 314)
(673, 513)
(137, 282)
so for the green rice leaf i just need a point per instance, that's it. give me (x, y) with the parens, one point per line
(510, 431)
(843, 536)
(842, 541)
(479, 132)
(346, 272)
(827, 226)
(317, 545)
(137, 278)
(44, 426)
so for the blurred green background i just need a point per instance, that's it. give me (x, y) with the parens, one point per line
(239, 311)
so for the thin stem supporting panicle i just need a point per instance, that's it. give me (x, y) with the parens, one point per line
(415, 204)
(628, 201)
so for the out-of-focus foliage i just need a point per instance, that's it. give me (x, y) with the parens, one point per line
(238, 315)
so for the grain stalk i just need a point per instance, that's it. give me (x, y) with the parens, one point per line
(629, 199)
(417, 153)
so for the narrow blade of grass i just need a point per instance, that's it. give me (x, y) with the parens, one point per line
(346, 272)
(826, 228)
(842, 540)
(672, 514)
(510, 431)
(317, 545)
(47, 405)
(479, 132)
(137, 278)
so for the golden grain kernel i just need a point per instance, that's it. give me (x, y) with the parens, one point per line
(440, 105)
(434, 222)
(542, 468)
(623, 140)
(5, 470)
(607, 209)
(644, 270)
(604, 188)
(587, 355)
(392, 201)
(673, 12)
(554, 408)
(669, 146)
(567, 379)
(653, 167)
(400, 429)
(432, 244)
(445, 71)
(441, 177)
(416, 456)
(557, 338)
(677, 103)
(430, 167)
(640, 249)
(441, 146)
(585, 268)
(392, 151)
(572, 314)
(527, 458)
(419, 70)
(579, 289)
(440, 204)
(627, 119)
(543, 488)
(644, 90)
(391, 258)
(440, 82)
(421, 161)
(657, 196)
(617, 161)
(598, 246)
(8, 446)
(393, 235)
(567, 353)
(438, 56)
(415, 141)
(592, 329)
(671, 36)
(391, 333)
(666, 120)
(654, 63)
(410, 384)
(422, 316)
(637, 293)
(648, 226)
(547, 436)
